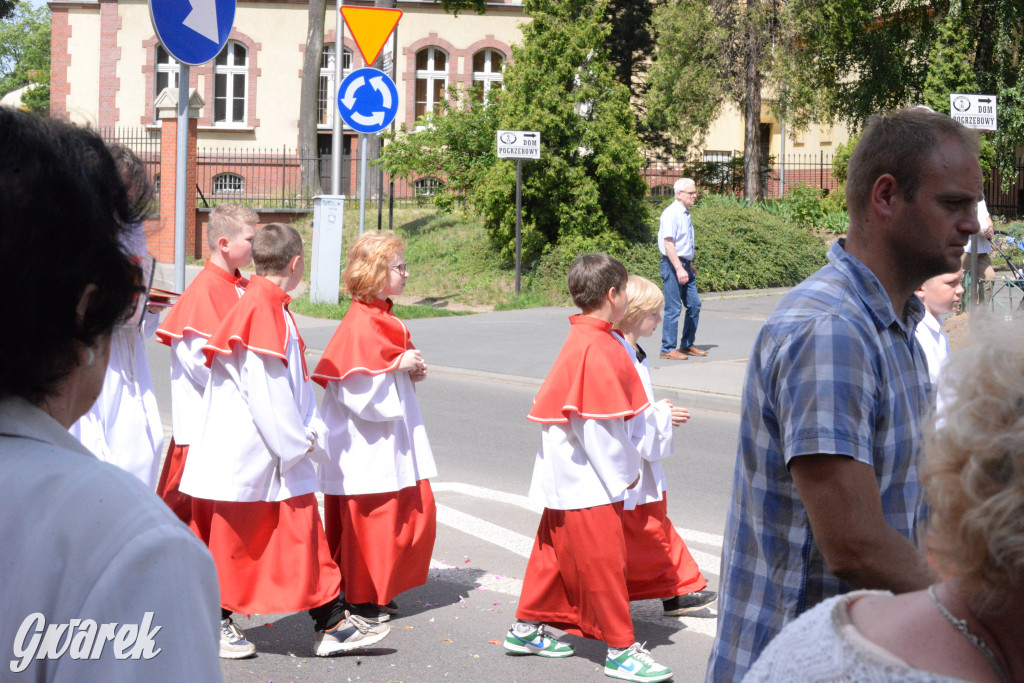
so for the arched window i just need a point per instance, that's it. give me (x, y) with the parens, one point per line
(487, 67)
(328, 91)
(230, 84)
(662, 191)
(228, 183)
(431, 79)
(166, 72)
(427, 186)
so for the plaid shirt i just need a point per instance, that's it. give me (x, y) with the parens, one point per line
(832, 371)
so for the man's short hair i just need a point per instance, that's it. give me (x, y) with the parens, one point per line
(683, 183)
(590, 278)
(366, 272)
(274, 246)
(900, 143)
(644, 297)
(226, 220)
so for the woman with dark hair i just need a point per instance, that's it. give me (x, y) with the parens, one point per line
(85, 544)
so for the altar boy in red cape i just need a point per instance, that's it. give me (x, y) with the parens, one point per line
(198, 312)
(378, 506)
(251, 470)
(576, 576)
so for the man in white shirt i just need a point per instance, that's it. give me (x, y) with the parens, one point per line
(675, 241)
(985, 269)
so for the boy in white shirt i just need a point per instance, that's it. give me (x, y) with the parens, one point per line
(576, 576)
(940, 295)
(253, 463)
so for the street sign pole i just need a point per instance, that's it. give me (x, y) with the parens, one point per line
(362, 182)
(519, 220)
(180, 178)
(337, 131)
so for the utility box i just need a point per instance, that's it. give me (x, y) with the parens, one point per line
(325, 271)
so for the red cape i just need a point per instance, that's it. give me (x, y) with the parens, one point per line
(592, 377)
(202, 305)
(257, 323)
(369, 339)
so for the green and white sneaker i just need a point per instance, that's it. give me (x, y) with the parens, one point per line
(535, 642)
(635, 664)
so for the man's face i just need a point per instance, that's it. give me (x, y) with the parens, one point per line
(929, 233)
(688, 196)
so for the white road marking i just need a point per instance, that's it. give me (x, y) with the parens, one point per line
(492, 533)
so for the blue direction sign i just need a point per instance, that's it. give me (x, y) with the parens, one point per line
(193, 31)
(368, 100)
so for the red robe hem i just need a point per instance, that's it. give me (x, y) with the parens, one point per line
(170, 480)
(658, 565)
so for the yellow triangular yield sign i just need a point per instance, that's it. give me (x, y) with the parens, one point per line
(370, 28)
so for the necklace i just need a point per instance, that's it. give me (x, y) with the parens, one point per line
(979, 644)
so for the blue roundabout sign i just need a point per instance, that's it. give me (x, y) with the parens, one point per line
(368, 100)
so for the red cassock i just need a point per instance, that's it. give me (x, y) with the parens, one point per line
(659, 565)
(199, 310)
(576, 576)
(383, 541)
(271, 557)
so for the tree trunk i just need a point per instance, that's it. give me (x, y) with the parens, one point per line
(752, 104)
(308, 95)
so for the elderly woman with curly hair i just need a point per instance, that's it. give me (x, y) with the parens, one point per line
(100, 581)
(969, 627)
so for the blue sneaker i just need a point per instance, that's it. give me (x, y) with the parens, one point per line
(636, 664)
(536, 642)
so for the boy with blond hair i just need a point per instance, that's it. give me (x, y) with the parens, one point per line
(576, 576)
(252, 464)
(659, 565)
(191, 321)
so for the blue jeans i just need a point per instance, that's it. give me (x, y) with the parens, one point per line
(676, 297)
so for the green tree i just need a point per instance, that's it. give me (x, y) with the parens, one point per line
(455, 145)
(587, 188)
(25, 55)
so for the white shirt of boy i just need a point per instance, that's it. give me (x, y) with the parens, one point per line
(984, 245)
(934, 343)
(377, 441)
(586, 462)
(656, 426)
(259, 415)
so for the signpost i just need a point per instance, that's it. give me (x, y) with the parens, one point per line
(368, 98)
(193, 32)
(974, 111)
(519, 145)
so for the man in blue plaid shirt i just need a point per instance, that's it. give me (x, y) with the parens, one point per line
(826, 495)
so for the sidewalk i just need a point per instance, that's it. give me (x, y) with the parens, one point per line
(520, 346)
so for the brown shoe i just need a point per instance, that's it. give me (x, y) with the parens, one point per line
(694, 351)
(674, 354)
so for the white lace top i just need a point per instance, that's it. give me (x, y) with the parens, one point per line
(824, 645)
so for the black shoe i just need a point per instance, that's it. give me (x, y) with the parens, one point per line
(691, 602)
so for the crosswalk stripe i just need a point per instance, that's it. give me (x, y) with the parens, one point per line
(492, 533)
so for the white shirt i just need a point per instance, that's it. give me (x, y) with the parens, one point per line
(584, 463)
(984, 246)
(656, 425)
(259, 417)
(189, 376)
(85, 540)
(676, 224)
(123, 426)
(377, 440)
(934, 343)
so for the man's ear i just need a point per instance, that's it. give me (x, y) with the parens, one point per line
(884, 194)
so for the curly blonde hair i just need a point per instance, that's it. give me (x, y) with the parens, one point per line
(367, 269)
(974, 466)
(644, 297)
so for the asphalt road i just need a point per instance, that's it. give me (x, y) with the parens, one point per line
(451, 628)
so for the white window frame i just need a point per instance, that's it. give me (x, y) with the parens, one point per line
(230, 71)
(235, 183)
(431, 75)
(327, 92)
(489, 77)
(168, 69)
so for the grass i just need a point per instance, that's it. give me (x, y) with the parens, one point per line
(303, 306)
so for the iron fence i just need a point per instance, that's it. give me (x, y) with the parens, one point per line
(725, 176)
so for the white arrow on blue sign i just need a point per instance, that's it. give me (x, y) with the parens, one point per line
(368, 100)
(193, 31)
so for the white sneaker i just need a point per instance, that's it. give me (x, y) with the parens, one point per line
(351, 633)
(233, 644)
(636, 664)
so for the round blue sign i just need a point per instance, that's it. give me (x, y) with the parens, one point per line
(368, 100)
(193, 31)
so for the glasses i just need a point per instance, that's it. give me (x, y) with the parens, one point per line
(402, 269)
(691, 192)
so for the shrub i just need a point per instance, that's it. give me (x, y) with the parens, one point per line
(805, 206)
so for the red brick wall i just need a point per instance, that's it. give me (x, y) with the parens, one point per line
(161, 241)
(110, 55)
(60, 61)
